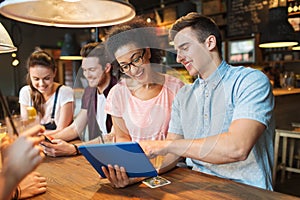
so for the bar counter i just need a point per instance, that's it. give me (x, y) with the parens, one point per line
(279, 92)
(286, 107)
(74, 178)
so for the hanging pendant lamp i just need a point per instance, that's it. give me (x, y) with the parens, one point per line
(297, 48)
(69, 13)
(6, 44)
(70, 50)
(278, 32)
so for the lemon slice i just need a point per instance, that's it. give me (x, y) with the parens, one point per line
(31, 113)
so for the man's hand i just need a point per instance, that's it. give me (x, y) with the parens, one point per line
(153, 148)
(58, 148)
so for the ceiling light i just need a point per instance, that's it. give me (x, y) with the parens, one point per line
(6, 44)
(70, 49)
(66, 13)
(278, 32)
(296, 48)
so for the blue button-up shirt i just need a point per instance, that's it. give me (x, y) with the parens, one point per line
(208, 107)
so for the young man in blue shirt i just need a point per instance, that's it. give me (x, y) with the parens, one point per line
(222, 123)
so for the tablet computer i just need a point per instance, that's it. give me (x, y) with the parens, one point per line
(127, 154)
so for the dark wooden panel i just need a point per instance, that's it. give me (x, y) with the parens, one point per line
(287, 110)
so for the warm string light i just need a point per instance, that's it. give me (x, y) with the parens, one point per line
(148, 20)
(293, 7)
(15, 61)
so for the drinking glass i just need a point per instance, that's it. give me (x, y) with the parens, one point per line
(16, 120)
(158, 160)
(109, 138)
(20, 124)
(287, 80)
(3, 131)
(290, 82)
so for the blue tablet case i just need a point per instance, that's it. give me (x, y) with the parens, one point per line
(127, 154)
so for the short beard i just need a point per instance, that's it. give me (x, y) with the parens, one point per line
(102, 79)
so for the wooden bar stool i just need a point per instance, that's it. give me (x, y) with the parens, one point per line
(296, 126)
(285, 134)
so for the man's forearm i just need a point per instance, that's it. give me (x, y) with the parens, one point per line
(200, 149)
(67, 134)
(218, 149)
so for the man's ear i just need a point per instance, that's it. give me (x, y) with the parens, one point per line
(55, 72)
(148, 53)
(107, 68)
(211, 42)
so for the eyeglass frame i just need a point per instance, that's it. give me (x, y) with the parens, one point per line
(132, 63)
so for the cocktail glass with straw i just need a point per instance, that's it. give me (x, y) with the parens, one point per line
(157, 161)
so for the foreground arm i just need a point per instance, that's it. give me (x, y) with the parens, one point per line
(24, 151)
(234, 145)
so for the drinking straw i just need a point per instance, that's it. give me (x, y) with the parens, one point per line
(6, 110)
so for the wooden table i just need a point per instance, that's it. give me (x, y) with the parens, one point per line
(74, 178)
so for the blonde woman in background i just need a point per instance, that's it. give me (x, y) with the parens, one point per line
(53, 102)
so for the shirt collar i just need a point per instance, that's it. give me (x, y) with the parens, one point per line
(214, 79)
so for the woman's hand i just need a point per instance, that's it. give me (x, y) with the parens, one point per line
(116, 175)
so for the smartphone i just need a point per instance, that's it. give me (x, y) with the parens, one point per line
(47, 139)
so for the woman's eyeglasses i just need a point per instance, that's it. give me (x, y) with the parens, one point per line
(136, 62)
